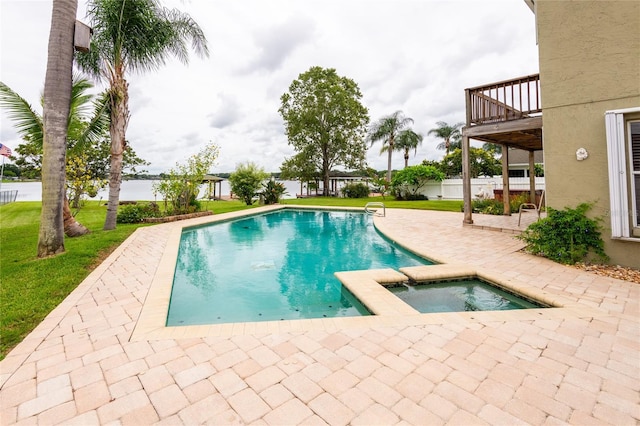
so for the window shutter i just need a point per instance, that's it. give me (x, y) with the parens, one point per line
(614, 123)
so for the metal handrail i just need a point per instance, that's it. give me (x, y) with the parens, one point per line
(372, 208)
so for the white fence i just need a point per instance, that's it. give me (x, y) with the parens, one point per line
(451, 189)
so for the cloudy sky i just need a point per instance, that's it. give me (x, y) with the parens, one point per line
(417, 56)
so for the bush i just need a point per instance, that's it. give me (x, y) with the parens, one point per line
(135, 213)
(496, 207)
(246, 181)
(356, 190)
(567, 236)
(273, 191)
(406, 183)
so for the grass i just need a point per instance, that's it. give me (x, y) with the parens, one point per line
(30, 288)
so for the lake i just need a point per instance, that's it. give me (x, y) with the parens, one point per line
(130, 190)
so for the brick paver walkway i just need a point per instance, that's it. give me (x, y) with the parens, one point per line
(80, 367)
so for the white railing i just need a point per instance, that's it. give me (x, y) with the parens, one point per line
(373, 209)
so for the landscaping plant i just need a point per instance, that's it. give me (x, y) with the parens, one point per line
(356, 190)
(567, 236)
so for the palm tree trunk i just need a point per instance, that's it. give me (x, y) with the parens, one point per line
(117, 129)
(57, 103)
(72, 228)
(389, 160)
(406, 158)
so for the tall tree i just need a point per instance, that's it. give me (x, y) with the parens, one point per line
(85, 128)
(408, 140)
(57, 102)
(325, 121)
(132, 35)
(387, 130)
(449, 133)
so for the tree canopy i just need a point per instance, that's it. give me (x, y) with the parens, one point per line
(450, 135)
(387, 130)
(481, 163)
(325, 122)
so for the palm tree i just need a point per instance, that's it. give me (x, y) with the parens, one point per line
(386, 130)
(450, 134)
(132, 35)
(80, 131)
(408, 140)
(57, 99)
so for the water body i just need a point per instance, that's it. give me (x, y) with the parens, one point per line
(131, 190)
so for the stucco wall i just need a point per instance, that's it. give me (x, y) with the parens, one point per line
(589, 63)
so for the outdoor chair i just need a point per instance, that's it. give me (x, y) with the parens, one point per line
(531, 206)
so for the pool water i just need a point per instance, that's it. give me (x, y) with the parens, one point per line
(277, 266)
(459, 296)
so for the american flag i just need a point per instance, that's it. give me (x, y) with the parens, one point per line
(5, 150)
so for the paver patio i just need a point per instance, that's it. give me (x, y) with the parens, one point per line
(575, 365)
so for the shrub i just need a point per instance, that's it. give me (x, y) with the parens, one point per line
(246, 181)
(356, 190)
(566, 236)
(496, 207)
(406, 183)
(135, 213)
(273, 191)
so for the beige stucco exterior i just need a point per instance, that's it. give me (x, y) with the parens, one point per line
(589, 63)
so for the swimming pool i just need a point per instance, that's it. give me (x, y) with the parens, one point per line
(277, 266)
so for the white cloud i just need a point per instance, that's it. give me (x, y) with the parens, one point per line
(409, 55)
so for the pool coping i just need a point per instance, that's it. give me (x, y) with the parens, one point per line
(367, 286)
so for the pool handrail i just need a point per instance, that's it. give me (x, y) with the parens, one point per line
(372, 208)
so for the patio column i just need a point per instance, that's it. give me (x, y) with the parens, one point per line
(505, 181)
(532, 179)
(466, 179)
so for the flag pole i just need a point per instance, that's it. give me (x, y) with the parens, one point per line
(2, 173)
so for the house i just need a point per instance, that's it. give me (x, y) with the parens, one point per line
(589, 89)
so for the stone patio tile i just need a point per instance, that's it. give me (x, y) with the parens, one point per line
(544, 403)
(264, 356)
(434, 371)
(507, 375)
(122, 406)
(329, 359)
(620, 391)
(302, 387)
(88, 418)
(291, 412)
(614, 376)
(194, 374)
(460, 397)
(125, 387)
(85, 375)
(276, 395)
(620, 404)
(178, 365)
(331, 410)
(156, 378)
(608, 414)
(12, 396)
(203, 410)
(379, 392)
(493, 415)
(498, 394)
(376, 414)
(414, 414)
(396, 344)
(366, 347)
(348, 352)
(431, 351)
(58, 414)
(305, 344)
(121, 372)
(145, 415)
(295, 363)
(138, 350)
(246, 368)
(316, 371)
(463, 417)
(92, 396)
(265, 378)
(227, 382)
(393, 361)
(356, 400)
(414, 387)
(229, 359)
(586, 419)
(335, 341)
(388, 376)
(363, 366)
(338, 382)
(248, 405)
(199, 390)
(168, 400)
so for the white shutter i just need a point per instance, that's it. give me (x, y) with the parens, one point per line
(614, 122)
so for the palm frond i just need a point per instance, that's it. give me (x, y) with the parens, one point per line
(100, 120)
(27, 122)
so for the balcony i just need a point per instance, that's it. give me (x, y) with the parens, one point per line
(506, 113)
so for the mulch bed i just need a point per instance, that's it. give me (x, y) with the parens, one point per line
(613, 271)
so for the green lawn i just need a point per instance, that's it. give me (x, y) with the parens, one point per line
(30, 287)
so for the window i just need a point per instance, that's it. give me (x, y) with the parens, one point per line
(623, 149)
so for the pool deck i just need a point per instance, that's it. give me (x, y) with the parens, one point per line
(91, 361)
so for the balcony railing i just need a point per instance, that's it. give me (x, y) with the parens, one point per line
(504, 101)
